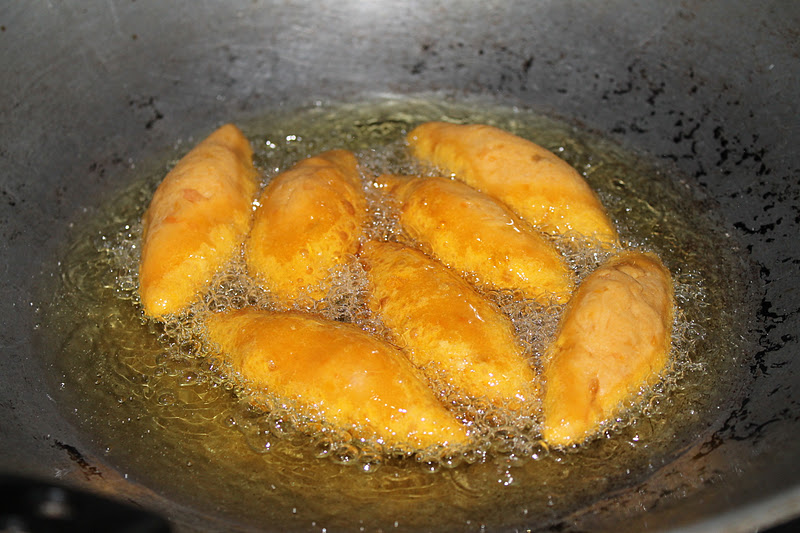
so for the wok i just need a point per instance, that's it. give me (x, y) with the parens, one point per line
(707, 90)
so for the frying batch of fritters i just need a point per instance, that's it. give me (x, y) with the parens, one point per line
(489, 221)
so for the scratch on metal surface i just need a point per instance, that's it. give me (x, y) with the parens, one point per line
(114, 17)
(655, 33)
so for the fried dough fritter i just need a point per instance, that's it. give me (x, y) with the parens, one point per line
(614, 340)
(309, 221)
(196, 221)
(470, 231)
(338, 371)
(448, 329)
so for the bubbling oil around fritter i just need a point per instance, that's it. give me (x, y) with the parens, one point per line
(263, 417)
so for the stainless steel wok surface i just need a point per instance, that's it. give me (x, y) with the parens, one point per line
(707, 89)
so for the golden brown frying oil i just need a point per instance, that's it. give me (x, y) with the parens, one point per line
(165, 411)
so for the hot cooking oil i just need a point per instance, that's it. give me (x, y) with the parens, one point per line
(166, 408)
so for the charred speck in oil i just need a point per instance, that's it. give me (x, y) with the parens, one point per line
(76, 456)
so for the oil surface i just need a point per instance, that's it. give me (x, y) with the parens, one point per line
(165, 410)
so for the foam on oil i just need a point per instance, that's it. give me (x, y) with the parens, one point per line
(163, 404)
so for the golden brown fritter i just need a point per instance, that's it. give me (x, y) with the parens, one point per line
(448, 329)
(471, 232)
(309, 221)
(338, 371)
(614, 341)
(196, 221)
